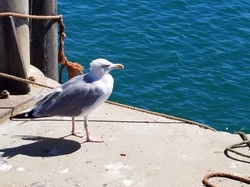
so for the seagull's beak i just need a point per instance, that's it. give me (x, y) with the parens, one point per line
(118, 66)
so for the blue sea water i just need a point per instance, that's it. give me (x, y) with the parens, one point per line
(188, 59)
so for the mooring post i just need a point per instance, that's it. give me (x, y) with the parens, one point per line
(44, 38)
(14, 46)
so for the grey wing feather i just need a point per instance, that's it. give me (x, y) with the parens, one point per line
(48, 98)
(75, 95)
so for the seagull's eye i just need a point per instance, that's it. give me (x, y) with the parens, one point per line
(105, 66)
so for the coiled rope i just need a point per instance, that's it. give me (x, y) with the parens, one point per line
(224, 175)
(73, 68)
(245, 142)
(246, 180)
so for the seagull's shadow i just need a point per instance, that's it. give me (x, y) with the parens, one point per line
(42, 147)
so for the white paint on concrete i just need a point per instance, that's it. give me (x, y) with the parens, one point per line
(5, 167)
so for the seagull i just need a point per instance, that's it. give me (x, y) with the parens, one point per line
(78, 96)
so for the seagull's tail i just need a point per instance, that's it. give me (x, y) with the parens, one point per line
(23, 115)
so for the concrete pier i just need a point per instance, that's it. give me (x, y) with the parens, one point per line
(139, 149)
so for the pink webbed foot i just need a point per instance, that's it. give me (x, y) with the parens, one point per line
(79, 134)
(94, 140)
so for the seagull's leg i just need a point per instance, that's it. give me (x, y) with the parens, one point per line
(89, 139)
(73, 125)
(75, 133)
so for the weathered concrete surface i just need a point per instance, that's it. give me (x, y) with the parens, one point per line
(139, 149)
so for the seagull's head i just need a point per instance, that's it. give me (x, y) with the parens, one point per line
(102, 66)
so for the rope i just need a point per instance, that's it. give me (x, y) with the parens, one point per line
(224, 175)
(72, 68)
(23, 80)
(4, 14)
(246, 142)
(161, 115)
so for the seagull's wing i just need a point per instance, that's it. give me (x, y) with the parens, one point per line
(43, 95)
(74, 96)
(48, 96)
